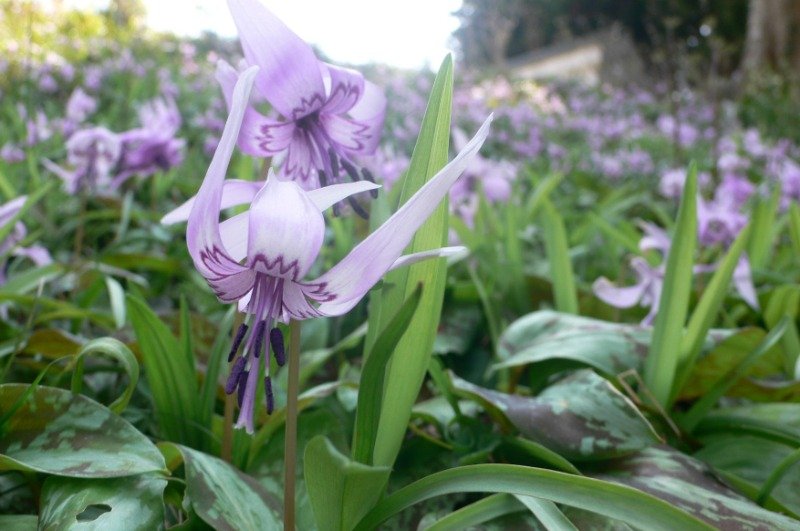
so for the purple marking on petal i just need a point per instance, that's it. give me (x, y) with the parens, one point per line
(276, 340)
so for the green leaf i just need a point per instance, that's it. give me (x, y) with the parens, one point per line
(763, 235)
(794, 226)
(557, 248)
(662, 359)
(764, 381)
(19, 522)
(608, 499)
(609, 348)
(225, 498)
(701, 408)
(707, 309)
(477, 513)
(753, 459)
(112, 348)
(57, 432)
(31, 278)
(406, 373)
(341, 491)
(172, 379)
(547, 513)
(690, 485)
(582, 417)
(370, 389)
(120, 503)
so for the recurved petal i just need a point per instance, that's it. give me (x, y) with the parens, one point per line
(9, 210)
(327, 196)
(259, 136)
(35, 253)
(233, 232)
(226, 276)
(234, 192)
(290, 77)
(343, 86)
(299, 163)
(350, 279)
(743, 281)
(615, 296)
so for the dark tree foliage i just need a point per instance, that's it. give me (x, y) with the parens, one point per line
(654, 25)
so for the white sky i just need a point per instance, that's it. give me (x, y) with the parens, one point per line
(402, 33)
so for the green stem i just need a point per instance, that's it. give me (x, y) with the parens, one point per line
(290, 444)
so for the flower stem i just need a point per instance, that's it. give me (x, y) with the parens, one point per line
(290, 445)
(226, 452)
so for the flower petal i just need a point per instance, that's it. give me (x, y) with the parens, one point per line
(9, 210)
(299, 164)
(36, 253)
(259, 136)
(234, 192)
(290, 77)
(233, 232)
(344, 88)
(349, 280)
(455, 252)
(743, 281)
(286, 230)
(225, 275)
(618, 297)
(328, 196)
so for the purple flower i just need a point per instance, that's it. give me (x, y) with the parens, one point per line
(259, 258)
(94, 155)
(12, 153)
(718, 221)
(37, 254)
(329, 115)
(152, 147)
(492, 176)
(646, 292)
(80, 105)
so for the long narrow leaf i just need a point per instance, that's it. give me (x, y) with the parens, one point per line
(370, 389)
(662, 360)
(557, 246)
(477, 513)
(406, 372)
(707, 310)
(601, 497)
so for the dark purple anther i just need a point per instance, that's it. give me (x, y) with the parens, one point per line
(259, 339)
(233, 378)
(351, 170)
(237, 341)
(276, 340)
(357, 208)
(242, 387)
(270, 396)
(367, 175)
(334, 163)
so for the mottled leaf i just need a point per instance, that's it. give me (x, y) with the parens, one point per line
(52, 343)
(582, 417)
(609, 348)
(542, 336)
(753, 459)
(689, 484)
(121, 504)
(225, 498)
(57, 432)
